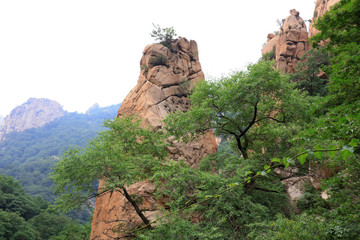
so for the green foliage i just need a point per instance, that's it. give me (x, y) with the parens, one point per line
(308, 70)
(234, 105)
(164, 36)
(73, 232)
(270, 55)
(217, 196)
(29, 156)
(13, 226)
(24, 217)
(180, 228)
(159, 60)
(124, 154)
(14, 199)
(343, 46)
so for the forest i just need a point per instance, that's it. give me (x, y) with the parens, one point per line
(272, 126)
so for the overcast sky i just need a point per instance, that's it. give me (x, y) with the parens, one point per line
(81, 52)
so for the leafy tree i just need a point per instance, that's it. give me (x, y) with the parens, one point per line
(14, 227)
(14, 199)
(49, 224)
(73, 232)
(241, 106)
(308, 70)
(340, 35)
(120, 156)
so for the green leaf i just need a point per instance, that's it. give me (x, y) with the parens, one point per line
(266, 167)
(349, 148)
(302, 158)
(231, 185)
(345, 154)
(275, 160)
(331, 152)
(290, 161)
(354, 142)
(318, 155)
(248, 173)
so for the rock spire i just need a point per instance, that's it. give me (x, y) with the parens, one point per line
(166, 78)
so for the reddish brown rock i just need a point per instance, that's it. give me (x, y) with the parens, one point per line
(163, 87)
(321, 7)
(290, 43)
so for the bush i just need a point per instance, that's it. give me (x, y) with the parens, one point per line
(163, 36)
(159, 60)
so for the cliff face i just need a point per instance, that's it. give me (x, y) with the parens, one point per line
(163, 87)
(32, 114)
(321, 6)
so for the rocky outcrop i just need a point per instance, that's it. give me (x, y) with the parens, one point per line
(32, 114)
(321, 6)
(294, 184)
(165, 81)
(289, 44)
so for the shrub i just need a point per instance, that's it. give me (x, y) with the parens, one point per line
(159, 60)
(164, 36)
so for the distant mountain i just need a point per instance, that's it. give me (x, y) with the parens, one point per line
(30, 154)
(32, 114)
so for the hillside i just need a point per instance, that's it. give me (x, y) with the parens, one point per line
(29, 155)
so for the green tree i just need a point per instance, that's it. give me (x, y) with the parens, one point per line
(120, 156)
(340, 35)
(241, 106)
(308, 71)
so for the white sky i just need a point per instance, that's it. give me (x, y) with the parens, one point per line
(81, 52)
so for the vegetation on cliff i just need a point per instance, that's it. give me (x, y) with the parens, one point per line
(267, 125)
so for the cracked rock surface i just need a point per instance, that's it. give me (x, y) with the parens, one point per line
(165, 81)
(289, 44)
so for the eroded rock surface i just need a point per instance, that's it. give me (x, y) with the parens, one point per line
(32, 114)
(289, 44)
(165, 81)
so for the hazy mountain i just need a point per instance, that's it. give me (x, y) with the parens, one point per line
(34, 113)
(29, 155)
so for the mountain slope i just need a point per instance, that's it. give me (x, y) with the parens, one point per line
(29, 155)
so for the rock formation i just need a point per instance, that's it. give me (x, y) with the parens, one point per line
(32, 114)
(164, 84)
(321, 6)
(290, 43)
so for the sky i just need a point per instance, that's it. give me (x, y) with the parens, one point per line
(82, 52)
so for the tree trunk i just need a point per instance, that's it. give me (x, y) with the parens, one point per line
(137, 209)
